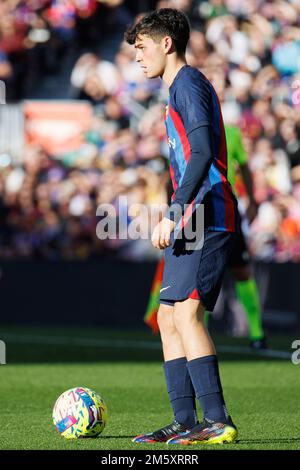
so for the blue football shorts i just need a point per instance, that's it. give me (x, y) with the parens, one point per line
(196, 274)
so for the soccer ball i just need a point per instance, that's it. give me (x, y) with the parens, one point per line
(79, 412)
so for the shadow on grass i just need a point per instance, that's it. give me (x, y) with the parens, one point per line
(287, 440)
(118, 437)
(239, 442)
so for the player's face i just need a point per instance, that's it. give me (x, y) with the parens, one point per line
(151, 56)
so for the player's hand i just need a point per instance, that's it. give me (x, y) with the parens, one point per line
(162, 232)
(252, 210)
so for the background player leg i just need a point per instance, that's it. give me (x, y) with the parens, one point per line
(247, 294)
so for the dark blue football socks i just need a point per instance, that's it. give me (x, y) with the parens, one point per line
(204, 373)
(181, 391)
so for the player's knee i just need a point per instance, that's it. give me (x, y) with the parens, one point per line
(165, 319)
(181, 317)
(184, 316)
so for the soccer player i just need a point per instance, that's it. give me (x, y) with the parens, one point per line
(192, 277)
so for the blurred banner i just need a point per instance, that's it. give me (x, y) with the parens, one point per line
(11, 132)
(56, 126)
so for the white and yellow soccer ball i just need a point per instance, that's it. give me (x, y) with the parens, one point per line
(79, 412)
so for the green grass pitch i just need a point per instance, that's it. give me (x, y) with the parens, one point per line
(262, 394)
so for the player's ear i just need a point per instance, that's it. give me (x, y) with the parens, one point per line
(167, 43)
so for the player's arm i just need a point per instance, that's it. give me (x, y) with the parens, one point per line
(196, 170)
(247, 179)
(201, 157)
(242, 159)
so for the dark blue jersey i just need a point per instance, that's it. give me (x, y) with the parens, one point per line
(193, 104)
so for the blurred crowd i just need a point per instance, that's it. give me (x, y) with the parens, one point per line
(249, 50)
(36, 36)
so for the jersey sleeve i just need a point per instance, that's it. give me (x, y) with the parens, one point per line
(193, 103)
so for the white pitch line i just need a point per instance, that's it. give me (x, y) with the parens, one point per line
(85, 342)
(128, 344)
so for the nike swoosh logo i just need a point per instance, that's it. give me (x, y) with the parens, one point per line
(164, 288)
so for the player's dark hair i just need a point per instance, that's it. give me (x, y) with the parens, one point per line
(160, 23)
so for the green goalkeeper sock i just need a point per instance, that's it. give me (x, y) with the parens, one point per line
(247, 294)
